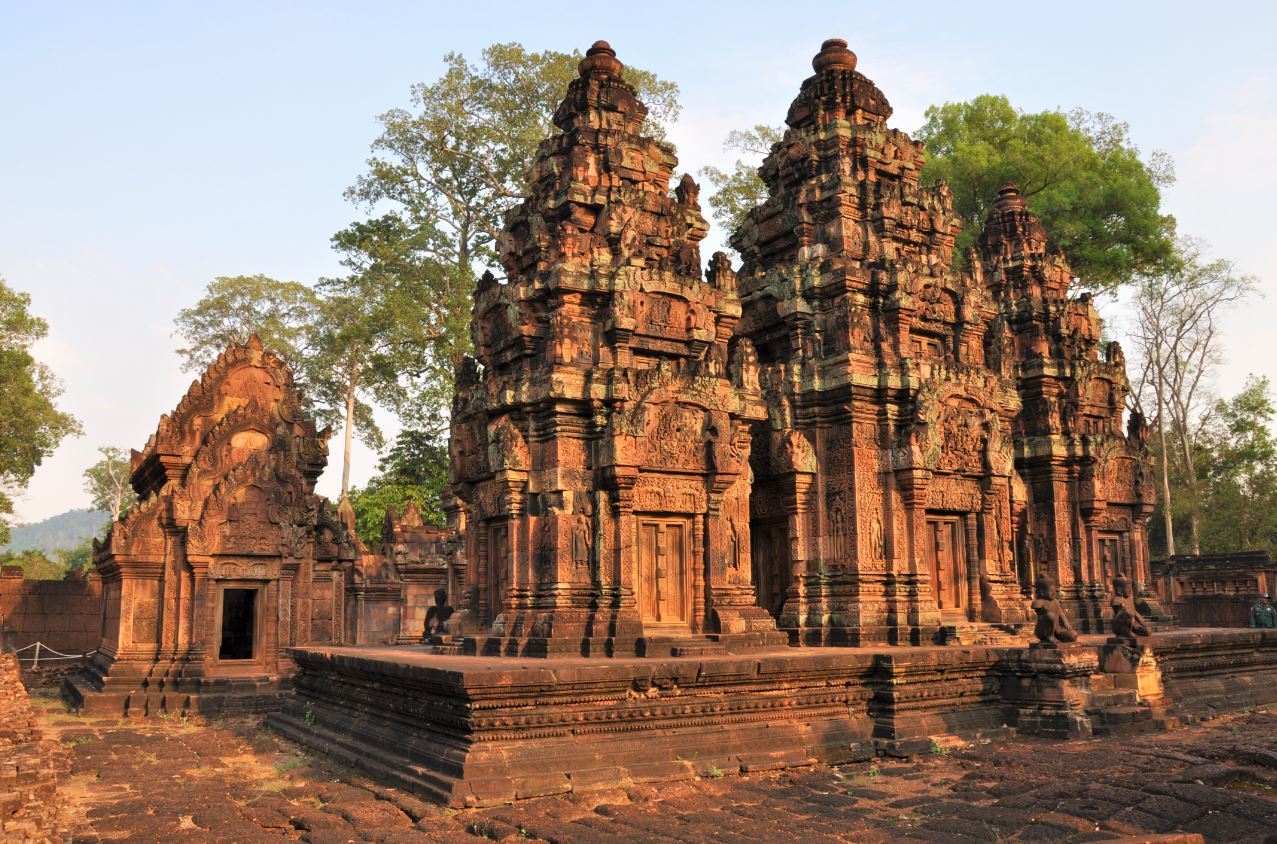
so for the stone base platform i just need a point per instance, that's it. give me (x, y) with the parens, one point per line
(473, 731)
(103, 689)
(477, 731)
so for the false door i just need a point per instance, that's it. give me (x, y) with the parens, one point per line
(664, 571)
(947, 561)
(770, 558)
(1110, 558)
(498, 567)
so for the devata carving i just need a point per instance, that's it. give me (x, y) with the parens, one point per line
(613, 502)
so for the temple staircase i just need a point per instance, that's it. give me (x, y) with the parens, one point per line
(980, 633)
(1115, 708)
(679, 645)
(445, 645)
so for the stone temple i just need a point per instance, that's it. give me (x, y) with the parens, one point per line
(936, 438)
(601, 442)
(227, 560)
(700, 519)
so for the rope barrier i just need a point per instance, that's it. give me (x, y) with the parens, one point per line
(35, 660)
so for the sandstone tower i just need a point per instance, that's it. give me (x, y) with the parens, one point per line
(600, 441)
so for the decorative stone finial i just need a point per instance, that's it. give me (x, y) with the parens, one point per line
(1009, 196)
(600, 59)
(834, 53)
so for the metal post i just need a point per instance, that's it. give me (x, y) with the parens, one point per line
(36, 662)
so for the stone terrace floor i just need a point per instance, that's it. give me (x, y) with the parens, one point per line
(234, 780)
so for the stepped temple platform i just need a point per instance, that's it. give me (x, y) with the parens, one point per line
(474, 731)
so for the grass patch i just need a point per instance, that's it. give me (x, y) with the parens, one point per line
(290, 763)
(76, 741)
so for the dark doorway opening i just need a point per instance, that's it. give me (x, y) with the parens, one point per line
(239, 618)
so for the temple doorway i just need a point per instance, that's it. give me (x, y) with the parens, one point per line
(946, 559)
(1110, 559)
(770, 557)
(664, 571)
(498, 567)
(239, 623)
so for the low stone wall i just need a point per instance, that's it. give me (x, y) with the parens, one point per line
(1217, 611)
(64, 614)
(30, 806)
(1210, 671)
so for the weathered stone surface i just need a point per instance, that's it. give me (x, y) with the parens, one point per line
(1028, 790)
(1214, 590)
(228, 558)
(936, 438)
(31, 807)
(600, 440)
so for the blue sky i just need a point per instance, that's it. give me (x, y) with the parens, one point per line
(146, 148)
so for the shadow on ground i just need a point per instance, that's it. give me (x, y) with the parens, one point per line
(233, 780)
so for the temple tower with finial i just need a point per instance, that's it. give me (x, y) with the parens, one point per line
(600, 435)
(1086, 481)
(882, 505)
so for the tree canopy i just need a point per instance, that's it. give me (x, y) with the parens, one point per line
(451, 166)
(740, 189)
(31, 426)
(442, 175)
(414, 469)
(233, 308)
(1177, 336)
(107, 482)
(1080, 173)
(1235, 494)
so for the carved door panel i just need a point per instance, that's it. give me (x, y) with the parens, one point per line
(947, 561)
(664, 571)
(498, 567)
(770, 556)
(1110, 558)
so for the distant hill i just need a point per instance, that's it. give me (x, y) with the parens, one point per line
(65, 530)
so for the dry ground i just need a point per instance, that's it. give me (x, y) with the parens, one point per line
(235, 781)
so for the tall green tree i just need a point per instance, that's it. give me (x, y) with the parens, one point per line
(1238, 458)
(1080, 172)
(233, 308)
(107, 482)
(1177, 335)
(738, 190)
(450, 167)
(373, 345)
(443, 174)
(31, 426)
(1235, 457)
(415, 469)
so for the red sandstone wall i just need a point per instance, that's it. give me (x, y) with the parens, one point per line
(64, 614)
(30, 806)
(1218, 611)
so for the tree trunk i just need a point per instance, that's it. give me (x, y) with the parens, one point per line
(350, 429)
(1166, 481)
(1190, 474)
